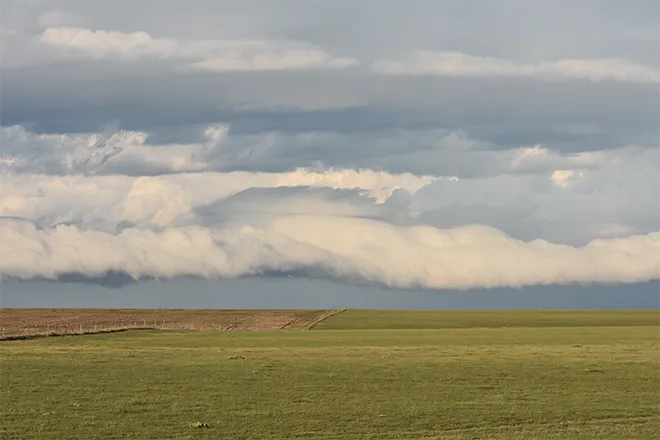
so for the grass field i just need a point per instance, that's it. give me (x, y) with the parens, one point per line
(439, 319)
(358, 375)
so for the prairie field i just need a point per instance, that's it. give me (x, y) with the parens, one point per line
(21, 323)
(355, 375)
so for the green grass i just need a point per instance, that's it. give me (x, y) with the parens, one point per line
(430, 319)
(578, 382)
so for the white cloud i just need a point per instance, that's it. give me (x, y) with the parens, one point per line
(103, 44)
(457, 64)
(538, 158)
(340, 247)
(258, 221)
(216, 55)
(103, 202)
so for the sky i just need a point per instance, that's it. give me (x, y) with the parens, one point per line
(495, 154)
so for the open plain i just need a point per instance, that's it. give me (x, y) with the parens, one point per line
(356, 375)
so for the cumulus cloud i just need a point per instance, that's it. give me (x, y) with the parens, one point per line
(103, 202)
(440, 63)
(216, 55)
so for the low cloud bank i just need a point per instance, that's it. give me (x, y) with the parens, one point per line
(347, 248)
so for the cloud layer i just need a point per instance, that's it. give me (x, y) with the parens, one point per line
(372, 143)
(461, 64)
(335, 246)
(216, 55)
(362, 226)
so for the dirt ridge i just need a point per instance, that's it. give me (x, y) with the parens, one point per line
(323, 317)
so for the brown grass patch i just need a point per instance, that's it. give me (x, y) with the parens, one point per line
(32, 322)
